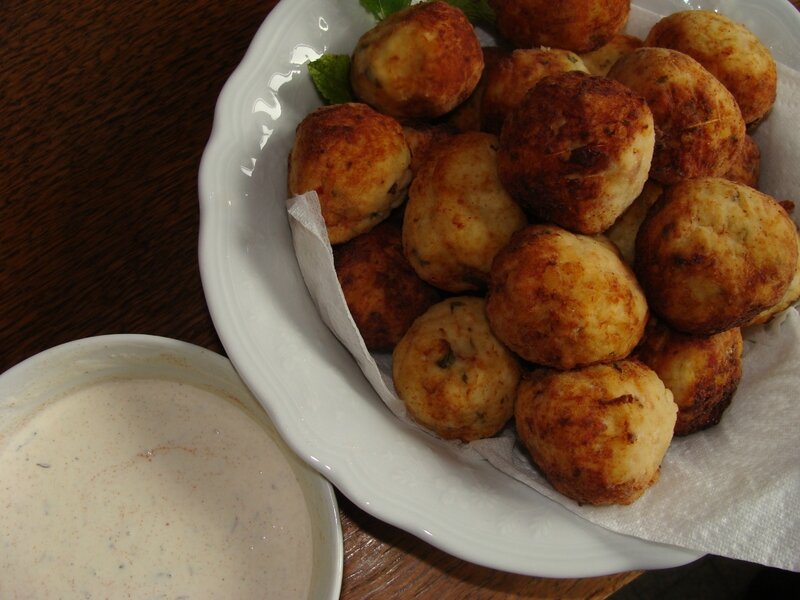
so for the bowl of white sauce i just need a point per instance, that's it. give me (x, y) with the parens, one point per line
(139, 466)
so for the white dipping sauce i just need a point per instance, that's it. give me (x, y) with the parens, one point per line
(149, 489)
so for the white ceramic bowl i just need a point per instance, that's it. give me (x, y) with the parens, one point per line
(313, 390)
(37, 381)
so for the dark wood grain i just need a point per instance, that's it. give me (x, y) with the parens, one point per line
(105, 108)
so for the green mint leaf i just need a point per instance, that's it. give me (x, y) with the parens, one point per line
(331, 76)
(381, 9)
(477, 11)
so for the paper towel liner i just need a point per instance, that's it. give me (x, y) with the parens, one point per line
(732, 490)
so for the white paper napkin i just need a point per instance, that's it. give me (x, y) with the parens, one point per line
(732, 490)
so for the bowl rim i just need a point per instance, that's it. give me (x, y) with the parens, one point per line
(49, 375)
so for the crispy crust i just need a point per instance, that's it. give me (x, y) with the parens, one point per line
(511, 78)
(623, 232)
(420, 62)
(598, 434)
(730, 51)
(467, 115)
(702, 372)
(453, 375)
(564, 300)
(699, 127)
(711, 254)
(384, 294)
(458, 214)
(576, 25)
(357, 161)
(577, 150)
(790, 296)
(422, 138)
(746, 166)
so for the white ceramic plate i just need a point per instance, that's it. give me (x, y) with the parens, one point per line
(49, 375)
(314, 392)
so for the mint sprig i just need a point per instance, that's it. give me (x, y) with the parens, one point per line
(330, 74)
(381, 9)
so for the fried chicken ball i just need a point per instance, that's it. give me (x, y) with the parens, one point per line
(576, 151)
(699, 127)
(512, 77)
(598, 434)
(728, 50)
(746, 166)
(420, 62)
(357, 161)
(382, 291)
(599, 61)
(577, 25)
(467, 115)
(623, 232)
(564, 300)
(458, 214)
(790, 296)
(711, 254)
(455, 378)
(702, 372)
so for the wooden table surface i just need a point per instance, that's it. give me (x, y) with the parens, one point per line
(105, 108)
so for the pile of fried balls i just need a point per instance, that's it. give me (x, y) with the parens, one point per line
(563, 231)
